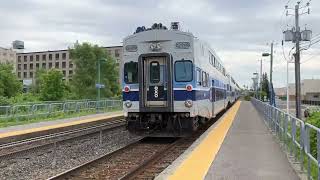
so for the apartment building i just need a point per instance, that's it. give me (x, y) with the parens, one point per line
(8, 56)
(28, 63)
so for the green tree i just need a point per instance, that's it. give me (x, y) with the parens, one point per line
(85, 56)
(9, 83)
(51, 85)
(265, 85)
(35, 89)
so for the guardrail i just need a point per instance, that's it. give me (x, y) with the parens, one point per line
(300, 139)
(29, 111)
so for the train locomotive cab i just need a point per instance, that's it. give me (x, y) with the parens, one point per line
(172, 82)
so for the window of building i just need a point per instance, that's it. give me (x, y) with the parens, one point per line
(4, 54)
(50, 56)
(31, 66)
(44, 57)
(316, 96)
(25, 58)
(24, 74)
(64, 73)
(19, 74)
(43, 65)
(57, 56)
(154, 72)
(19, 66)
(31, 74)
(50, 65)
(37, 65)
(70, 65)
(70, 72)
(183, 71)
(64, 56)
(25, 66)
(37, 57)
(116, 53)
(31, 58)
(19, 58)
(57, 65)
(131, 72)
(63, 64)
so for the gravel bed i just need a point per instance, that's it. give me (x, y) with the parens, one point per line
(41, 164)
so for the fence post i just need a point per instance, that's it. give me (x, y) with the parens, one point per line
(307, 147)
(302, 144)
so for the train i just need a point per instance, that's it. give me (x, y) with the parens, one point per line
(172, 82)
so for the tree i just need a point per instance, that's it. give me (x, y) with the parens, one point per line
(51, 85)
(85, 56)
(9, 83)
(265, 85)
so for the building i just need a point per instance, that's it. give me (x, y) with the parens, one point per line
(28, 63)
(8, 56)
(310, 90)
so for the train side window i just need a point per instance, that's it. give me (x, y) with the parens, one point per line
(199, 77)
(131, 72)
(207, 79)
(183, 71)
(154, 72)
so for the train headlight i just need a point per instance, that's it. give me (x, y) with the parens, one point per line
(189, 87)
(188, 103)
(126, 89)
(128, 104)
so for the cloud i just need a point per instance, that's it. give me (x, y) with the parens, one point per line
(238, 30)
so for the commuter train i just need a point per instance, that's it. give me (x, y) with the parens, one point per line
(172, 82)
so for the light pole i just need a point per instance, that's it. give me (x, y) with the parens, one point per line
(271, 64)
(255, 83)
(99, 86)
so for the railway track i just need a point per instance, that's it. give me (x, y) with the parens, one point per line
(12, 148)
(144, 159)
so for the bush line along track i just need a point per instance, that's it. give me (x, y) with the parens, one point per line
(12, 148)
(134, 162)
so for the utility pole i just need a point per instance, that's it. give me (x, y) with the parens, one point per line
(296, 36)
(297, 63)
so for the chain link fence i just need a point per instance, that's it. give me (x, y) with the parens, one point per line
(30, 111)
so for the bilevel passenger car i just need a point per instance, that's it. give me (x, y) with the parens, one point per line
(172, 82)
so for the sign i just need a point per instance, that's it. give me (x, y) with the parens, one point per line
(100, 86)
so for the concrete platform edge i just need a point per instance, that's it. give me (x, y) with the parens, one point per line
(176, 163)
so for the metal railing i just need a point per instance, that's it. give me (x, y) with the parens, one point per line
(312, 103)
(300, 139)
(31, 111)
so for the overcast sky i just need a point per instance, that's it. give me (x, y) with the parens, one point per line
(239, 30)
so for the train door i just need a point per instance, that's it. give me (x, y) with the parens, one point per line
(155, 82)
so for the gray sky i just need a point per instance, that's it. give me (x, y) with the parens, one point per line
(239, 30)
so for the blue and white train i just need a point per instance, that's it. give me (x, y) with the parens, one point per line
(172, 82)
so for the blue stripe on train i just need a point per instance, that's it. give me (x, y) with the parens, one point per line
(179, 95)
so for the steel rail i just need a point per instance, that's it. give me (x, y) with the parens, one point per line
(86, 130)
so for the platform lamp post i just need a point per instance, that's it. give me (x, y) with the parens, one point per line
(99, 86)
(270, 83)
(256, 79)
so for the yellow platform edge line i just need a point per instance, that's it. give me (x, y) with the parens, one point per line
(198, 162)
(55, 126)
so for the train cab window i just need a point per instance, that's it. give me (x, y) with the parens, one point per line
(154, 72)
(131, 72)
(183, 71)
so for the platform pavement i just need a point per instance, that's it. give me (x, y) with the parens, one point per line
(237, 147)
(249, 151)
(58, 122)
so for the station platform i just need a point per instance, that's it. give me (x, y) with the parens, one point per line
(238, 146)
(19, 132)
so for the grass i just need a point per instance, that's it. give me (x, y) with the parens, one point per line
(13, 121)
